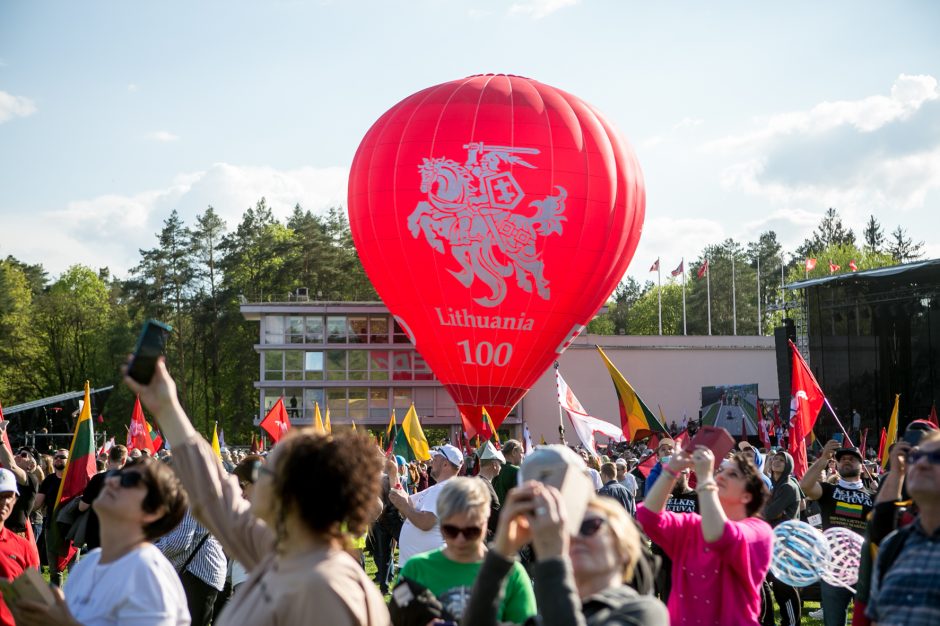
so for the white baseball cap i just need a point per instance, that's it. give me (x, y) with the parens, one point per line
(8, 482)
(449, 452)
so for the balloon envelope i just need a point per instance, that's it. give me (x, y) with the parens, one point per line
(494, 216)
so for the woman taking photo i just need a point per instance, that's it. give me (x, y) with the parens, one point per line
(312, 495)
(463, 507)
(720, 555)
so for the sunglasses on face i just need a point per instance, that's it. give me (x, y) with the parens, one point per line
(127, 480)
(590, 526)
(932, 457)
(60, 457)
(471, 533)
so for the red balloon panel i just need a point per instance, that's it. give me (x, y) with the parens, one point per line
(494, 215)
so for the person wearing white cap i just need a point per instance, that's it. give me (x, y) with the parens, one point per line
(18, 553)
(421, 531)
(491, 463)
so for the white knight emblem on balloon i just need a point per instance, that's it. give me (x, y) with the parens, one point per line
(473, 213)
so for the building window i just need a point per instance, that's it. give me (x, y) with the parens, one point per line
(378, 403)
(336, 365)
(358, 403)
(358, 365)
(378, 330)
(313, 366)
(358, 328)
(293, 365)
(400, 336)
(273, 329)
(293, 401)
(314, 328)
(336, 400)
(274, 365)
(336, 329)
(378, 364)
(422, 371)
(403, 399)
(401, 365)
(314, 398)
(295, 330)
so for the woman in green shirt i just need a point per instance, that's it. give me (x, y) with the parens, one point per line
(463, 508)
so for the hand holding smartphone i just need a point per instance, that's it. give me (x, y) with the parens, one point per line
(151, 345)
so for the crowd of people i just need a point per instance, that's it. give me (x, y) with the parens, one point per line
(497, 535)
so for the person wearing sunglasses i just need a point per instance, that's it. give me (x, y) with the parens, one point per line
(313, 495)
(581, 574)
(904, 584)
(127, 580)
(463, 508)
(45, 501)
(720, 555)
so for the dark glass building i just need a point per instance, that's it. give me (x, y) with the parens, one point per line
(870, 335)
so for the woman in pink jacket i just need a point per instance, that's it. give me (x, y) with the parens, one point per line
(721, 555)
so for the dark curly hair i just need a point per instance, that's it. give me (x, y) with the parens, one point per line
(754, 484)
(332, 480)
(164, 489)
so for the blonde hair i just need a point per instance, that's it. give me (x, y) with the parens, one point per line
(624, 530)
(463, 495)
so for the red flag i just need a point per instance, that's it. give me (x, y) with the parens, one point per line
(655, 266)
(881, 444)
(806, 399)
(933, 416)
(682, 438)
(679, 270)
(810, 265)
(653, 443)
(276, 422)
(703, 269)
(647, 464)
(138, 435)
(833, 268)
(853, 266)
(862, 440)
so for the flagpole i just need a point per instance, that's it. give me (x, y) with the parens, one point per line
(708, 286)
(847, 442)
(734, 302)
(659, 292)
(759, 333)
(561, 423)
(683, 296)
(783, 292)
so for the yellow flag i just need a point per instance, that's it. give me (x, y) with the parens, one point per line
(215, 440)
(415, 435)
(354, 427)
(892, 435)
(329, 428)
(317, 420)
(392, 423)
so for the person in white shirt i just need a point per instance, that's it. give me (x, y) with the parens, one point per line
(421, 531)
(127, 581)
(624, 477)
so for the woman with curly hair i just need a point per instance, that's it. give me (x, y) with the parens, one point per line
(721, 555)
(315, 492)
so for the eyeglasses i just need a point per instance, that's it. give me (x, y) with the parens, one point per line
(24, 454)
(127, 480)
(471, 533)
(590, 526)
(932, 457)
(61, 457)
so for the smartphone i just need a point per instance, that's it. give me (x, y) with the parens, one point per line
(151, 345)
(546, 466)
(913, 437)
(718, 440)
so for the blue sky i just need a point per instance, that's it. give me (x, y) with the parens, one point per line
(745, 116)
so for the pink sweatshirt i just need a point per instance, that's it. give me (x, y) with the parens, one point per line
(712, 583)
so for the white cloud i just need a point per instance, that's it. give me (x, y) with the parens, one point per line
(14, 106)
(132, 87)
(876, 154)
(687, 122)
(537, 9)
(109, 230)
(162, 136)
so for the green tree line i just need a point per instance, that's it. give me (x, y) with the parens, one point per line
(56, 334)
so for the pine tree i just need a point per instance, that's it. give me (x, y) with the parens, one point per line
(874, 235)
(903, 248)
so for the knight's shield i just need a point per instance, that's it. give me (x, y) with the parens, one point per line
(503, 190)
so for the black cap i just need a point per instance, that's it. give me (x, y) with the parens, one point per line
(853, 451)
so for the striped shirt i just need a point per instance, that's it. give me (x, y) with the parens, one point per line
(907, 592)
(209, 564)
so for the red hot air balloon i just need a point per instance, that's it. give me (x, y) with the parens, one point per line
(494, 215)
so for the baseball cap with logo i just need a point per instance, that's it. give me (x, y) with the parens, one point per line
(449, 452)
(8, 482)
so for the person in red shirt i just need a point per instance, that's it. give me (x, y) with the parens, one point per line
(16, 553)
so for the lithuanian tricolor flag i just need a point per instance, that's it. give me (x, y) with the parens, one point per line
(79, 470)
(636, 419)
(410, 441)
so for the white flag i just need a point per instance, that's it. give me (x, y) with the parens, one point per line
(585, 425)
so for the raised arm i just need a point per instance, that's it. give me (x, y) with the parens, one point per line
(810, 481)
(713, 515)
(6, 457)
(656, 497)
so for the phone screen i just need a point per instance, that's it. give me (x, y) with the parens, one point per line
(151, 344)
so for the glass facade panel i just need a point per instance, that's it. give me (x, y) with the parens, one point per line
(424, 400)
(293, 401)
(295, 330)
(378, 330)
(378, 365)
(336, 400)
(401, 365)
(312, 396)
(274, 329)
(314, 329)
(403, 399)
(378, 403)
(358, 403)
(274, 365)
(293, 365)
(358, 329)
(313, 365)
(336, 365)
(422, 370)
(400, 336)
(336, 329)
(358, 365)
